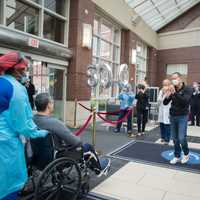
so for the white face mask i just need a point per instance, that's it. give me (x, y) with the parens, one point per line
(175, 82)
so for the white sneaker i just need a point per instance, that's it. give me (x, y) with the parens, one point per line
(174, 160)
(185, 159)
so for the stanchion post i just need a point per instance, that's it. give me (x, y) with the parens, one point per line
(94, 126)
(75, 112)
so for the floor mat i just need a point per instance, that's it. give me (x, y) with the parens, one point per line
(148, 152)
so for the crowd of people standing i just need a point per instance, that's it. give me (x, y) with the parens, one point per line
(177, 103)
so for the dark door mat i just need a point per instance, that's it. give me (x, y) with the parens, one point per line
(157, 154)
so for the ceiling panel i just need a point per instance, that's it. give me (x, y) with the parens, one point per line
(158, 13)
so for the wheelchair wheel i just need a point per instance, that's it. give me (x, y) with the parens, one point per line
(60, 180)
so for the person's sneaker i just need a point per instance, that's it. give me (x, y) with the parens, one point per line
(105, 166)
(166, 143)
(142, 133)
(131, 135)
(185, 159)
(174, 160)
(116, 131)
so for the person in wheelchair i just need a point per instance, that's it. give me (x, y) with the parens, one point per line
(63, 137)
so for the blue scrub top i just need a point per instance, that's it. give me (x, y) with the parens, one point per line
(15, 120)
(126, 100)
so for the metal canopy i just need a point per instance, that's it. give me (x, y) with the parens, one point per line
(158, 13)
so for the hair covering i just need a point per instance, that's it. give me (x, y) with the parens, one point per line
(12, 60)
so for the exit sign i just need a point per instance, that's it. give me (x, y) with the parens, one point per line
(32, 42)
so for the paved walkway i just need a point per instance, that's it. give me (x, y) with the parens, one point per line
(137, 181)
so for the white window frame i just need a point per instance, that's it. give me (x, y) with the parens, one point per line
(42, 10)
(101, 20)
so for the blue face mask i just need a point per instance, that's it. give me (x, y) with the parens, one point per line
(24, 79)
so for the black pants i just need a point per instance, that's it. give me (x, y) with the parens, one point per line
(142, 118)
(195, 114)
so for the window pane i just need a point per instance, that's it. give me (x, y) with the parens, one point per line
(55, 5)
(1, 12)
(116, 36)
(106, 32)
(116, 54)
(105, 50)
(22, 17)
(53, 28)
(96, 26)
(95, 48)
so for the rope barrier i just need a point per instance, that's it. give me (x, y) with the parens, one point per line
(110, 113)
(78, 132)
(118, 121)
(85, 107)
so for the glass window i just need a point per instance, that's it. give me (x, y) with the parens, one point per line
(56, 6)
(22, 17)
(117, 36)
(95, 48)
(96, 26)
(116, 54)
(53, 28)
(106, 32)
(1, 12)
(105, 50)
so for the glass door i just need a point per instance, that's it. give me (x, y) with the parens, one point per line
(50, 78)
(56, 90)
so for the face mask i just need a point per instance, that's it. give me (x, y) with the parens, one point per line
(24, 79)
(175, 82)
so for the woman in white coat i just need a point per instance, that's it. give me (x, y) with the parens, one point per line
(163, 115)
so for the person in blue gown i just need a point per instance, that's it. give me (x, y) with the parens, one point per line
(15, 121)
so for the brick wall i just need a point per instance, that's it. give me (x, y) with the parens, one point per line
(188, 56)
(152, 72)
(81, 11)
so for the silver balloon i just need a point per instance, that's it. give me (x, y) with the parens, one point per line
(123, 75)
(105, 75)
(92, 75)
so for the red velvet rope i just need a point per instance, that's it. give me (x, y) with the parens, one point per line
(85, 107)
(78, 132)
(118, 121)
(103, 113)
(109, 113)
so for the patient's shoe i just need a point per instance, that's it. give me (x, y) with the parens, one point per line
(105, 166)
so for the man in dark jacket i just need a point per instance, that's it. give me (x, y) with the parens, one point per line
(142, 107)
(195, 105)
(179, 95)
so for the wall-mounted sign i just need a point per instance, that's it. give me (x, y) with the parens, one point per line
(133, 56)
(87, 36)
(32, 42)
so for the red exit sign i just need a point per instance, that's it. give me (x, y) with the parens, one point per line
(32, 42)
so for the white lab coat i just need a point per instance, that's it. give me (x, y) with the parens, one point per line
(163, 114)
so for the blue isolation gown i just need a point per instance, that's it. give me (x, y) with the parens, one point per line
(15, 120)
(126, 100)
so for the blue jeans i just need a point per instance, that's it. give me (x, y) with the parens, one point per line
(179, 134)
(129, 120)
(12, 196)
(165, 132)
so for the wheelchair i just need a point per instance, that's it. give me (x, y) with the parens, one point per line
(66, 176)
